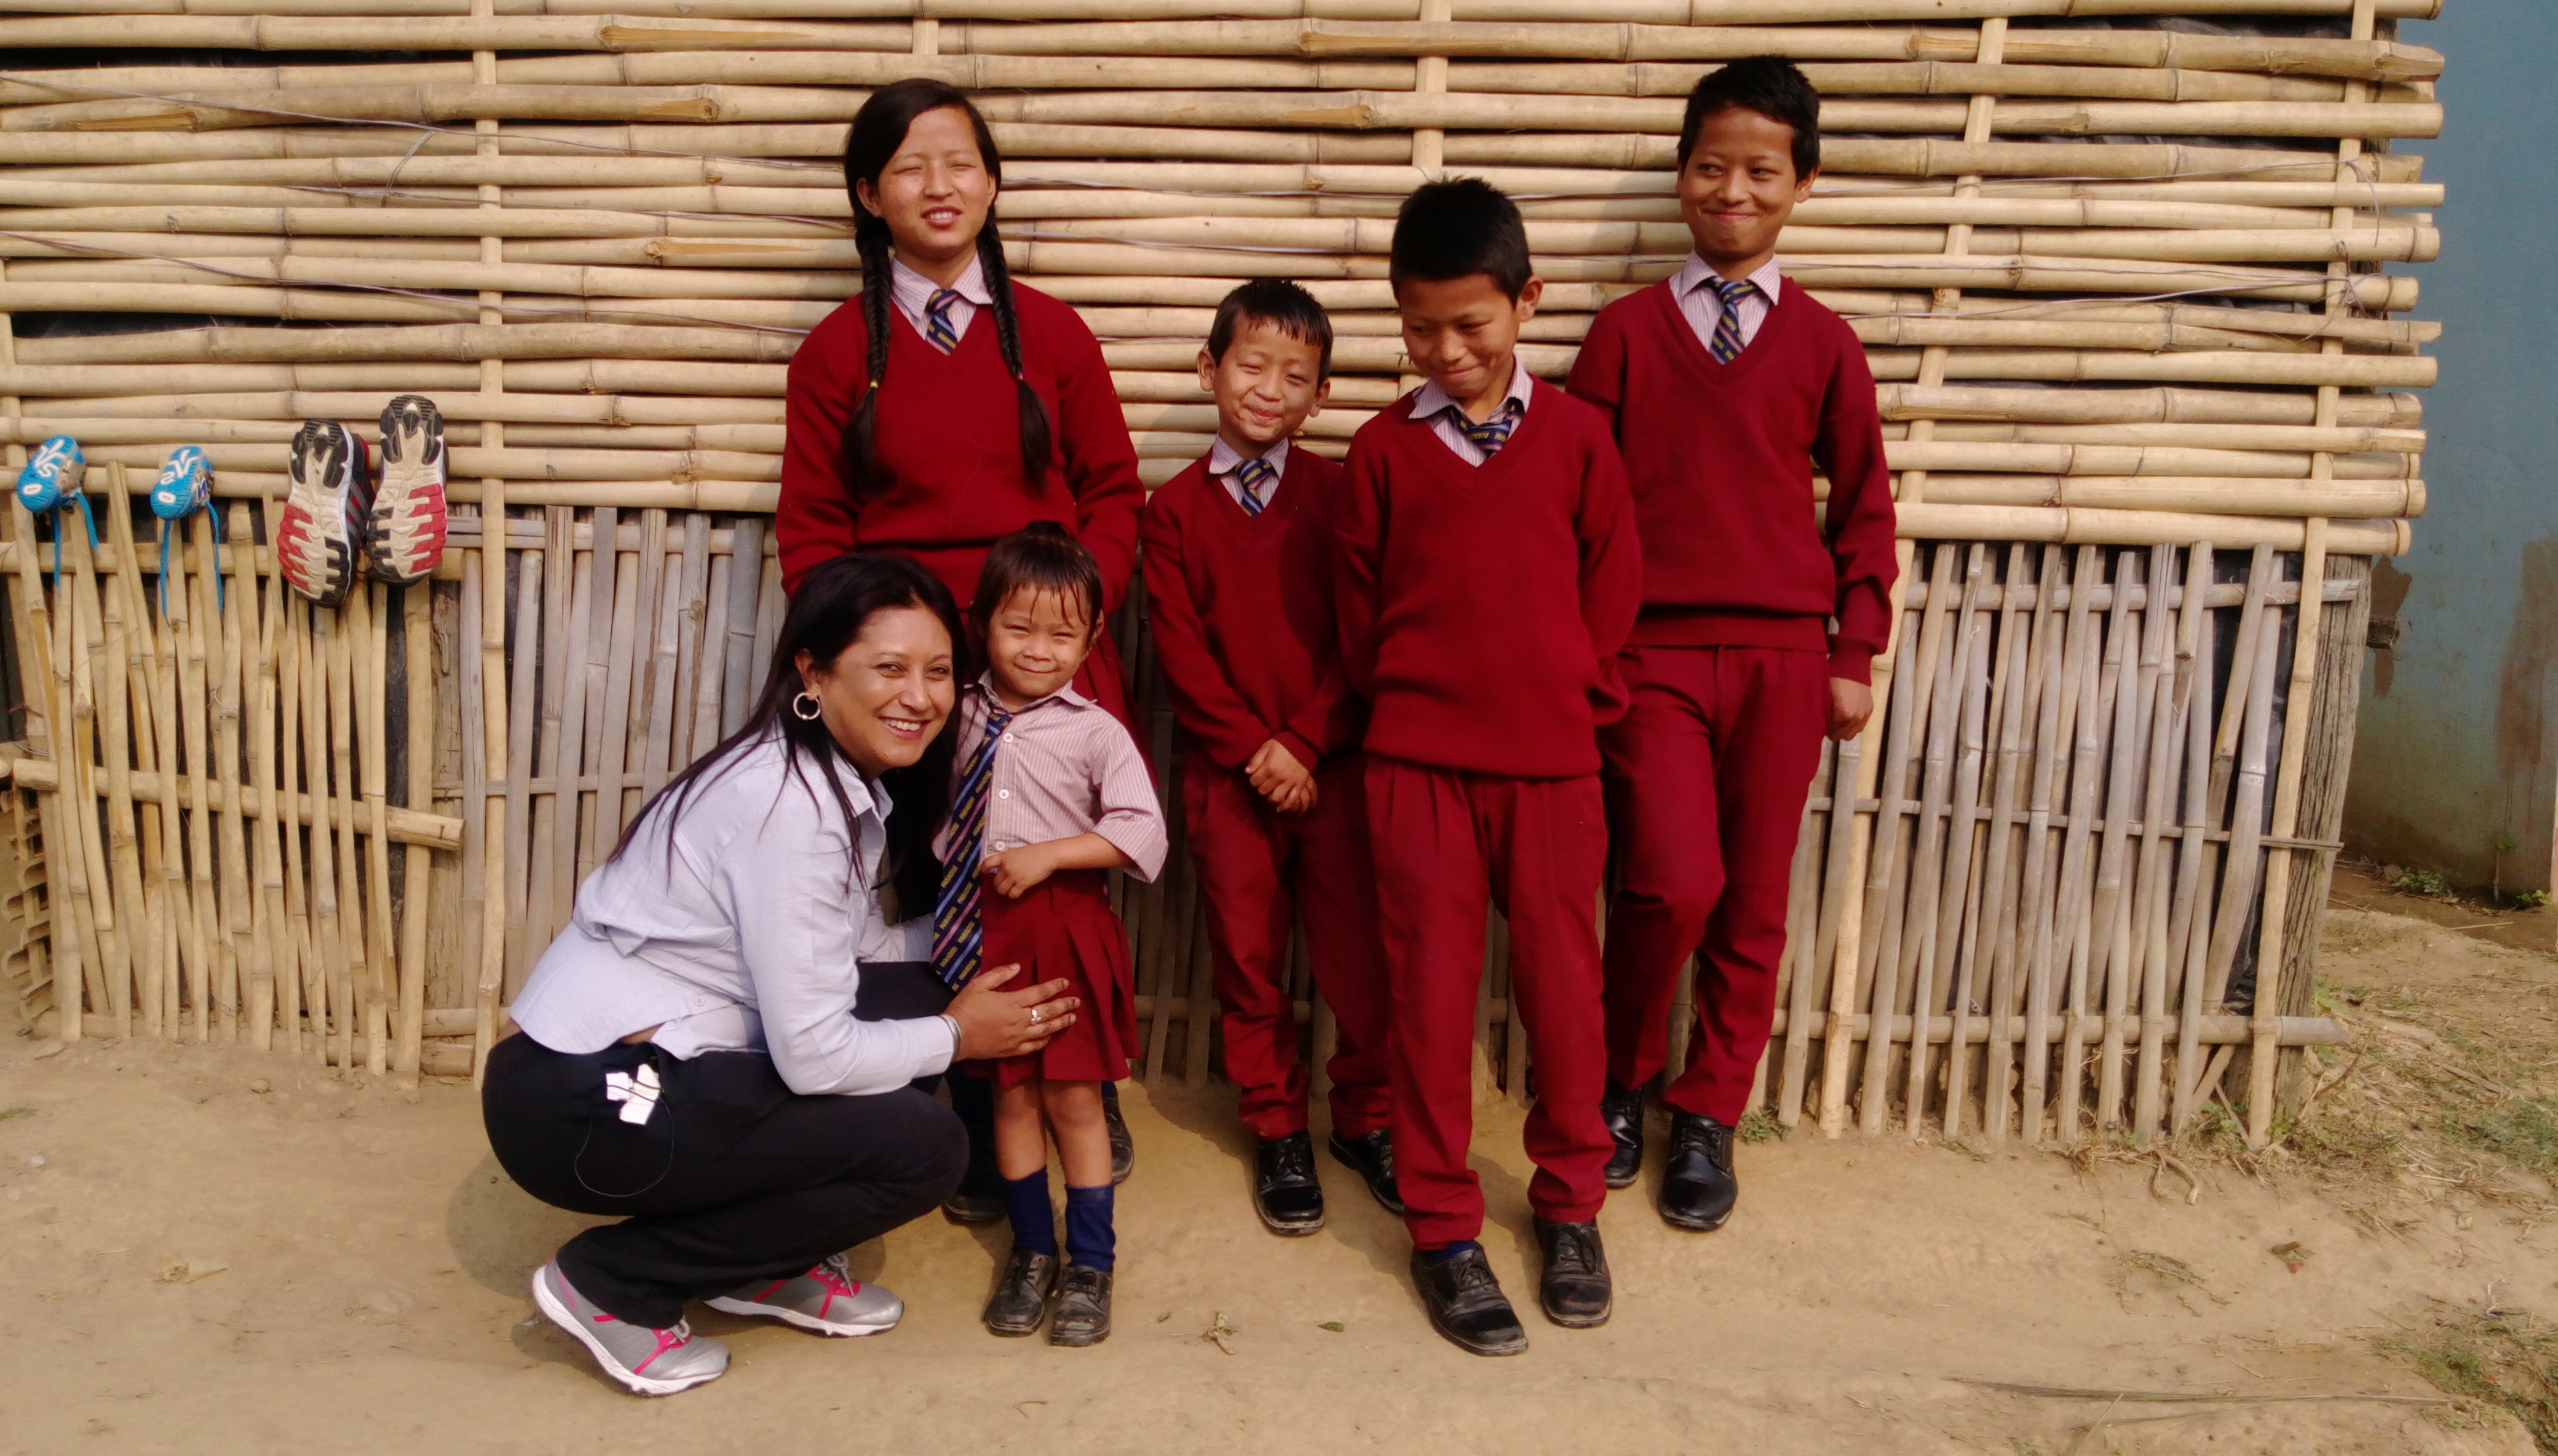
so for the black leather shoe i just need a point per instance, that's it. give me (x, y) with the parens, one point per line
(1082, 1308)
(1467, 1305)
(1699, 1188)
(1021, 1293)
(973, 1209)
(1372, 1156)
(1574, 1290)
(1123, 1148)
(1285, 1191)
(1623, 1112)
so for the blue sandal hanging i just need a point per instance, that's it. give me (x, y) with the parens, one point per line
(52, 480)
(184, 487)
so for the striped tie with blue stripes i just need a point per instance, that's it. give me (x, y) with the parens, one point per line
(959, 922)
(937, 320)
(1728, 342)
(1253, 479)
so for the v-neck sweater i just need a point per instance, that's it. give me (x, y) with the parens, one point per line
(949, 443)
(1242, 613)
(1482, 606)
(1720, 458)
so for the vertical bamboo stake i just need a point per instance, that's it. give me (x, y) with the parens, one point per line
(419, 648)
(113, 990)
(1429, 77)
(559, 550)
(528, 635)
(691, 622)
(242, 963)
(2019, 641)
(577, 662)
(477, 819)
(119, 614)
(353, 968)
(2028, 930)
(1935, 810)
(186, 606)
(2109, 977)
(270, 916)
(1802, 950)
(746, 574)
(300, 894)
(492, 614)
(2086, 758)
(602, 753)
(2149, 893)
(2184, 947)
(373, 660)
(327, 940)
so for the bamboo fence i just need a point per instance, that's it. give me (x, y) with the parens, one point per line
(2121, 280)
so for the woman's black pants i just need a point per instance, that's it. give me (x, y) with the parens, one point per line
(732, 1178)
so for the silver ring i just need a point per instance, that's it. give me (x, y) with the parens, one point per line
(1035, 1015)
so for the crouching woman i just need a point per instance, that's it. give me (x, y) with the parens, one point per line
(716, 1048)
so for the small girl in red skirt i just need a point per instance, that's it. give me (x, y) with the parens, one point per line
(1049, 793)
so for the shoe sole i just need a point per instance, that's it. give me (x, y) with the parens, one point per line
(559, 1315)
(1694, 1225)
(1077, 1342)
(1583, 1322)
(1010, 1332)
(326, 459)
(1508, 1346)
(808, 1322)
(1628, 1181)
(971, 1221)
(414, 471)
(1287, 1229)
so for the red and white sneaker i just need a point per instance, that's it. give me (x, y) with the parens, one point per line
(404, 529)
(317, 543)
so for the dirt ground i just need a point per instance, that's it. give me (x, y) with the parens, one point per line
(371, 1294)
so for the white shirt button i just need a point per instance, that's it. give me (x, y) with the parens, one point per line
(1003, 793)
(1000, 844)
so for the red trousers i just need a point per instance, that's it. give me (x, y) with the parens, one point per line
(1446, 844)
(1705, 778)
(1257, 868)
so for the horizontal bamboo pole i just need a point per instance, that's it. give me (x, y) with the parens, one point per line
(2077, 525)
(1635, 12)
(407, 826)
(2246, 496)
(379, 27)
(636, 412)
(2213, 1031)
(448, 341)
(2168, 407)
(568, 375)
(1362, 110)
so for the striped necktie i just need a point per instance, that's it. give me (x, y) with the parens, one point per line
(1728, 342)
(959, 924)
(937, 320)
(1254, 478)
(1489, 436)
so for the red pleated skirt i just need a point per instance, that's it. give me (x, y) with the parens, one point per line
(1063, 930)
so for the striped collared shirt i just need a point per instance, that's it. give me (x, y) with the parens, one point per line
(1066, 768)
(910, 291)
(1223, 461)
(1703, 307)
(1431, 403)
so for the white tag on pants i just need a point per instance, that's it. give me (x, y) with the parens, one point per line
(635, 1092)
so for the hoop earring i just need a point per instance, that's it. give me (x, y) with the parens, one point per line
(811, 712)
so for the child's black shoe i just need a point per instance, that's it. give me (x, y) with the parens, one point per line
(1082, 1308)
(1020, 1294)
(1372, 1156)
(1467, 1305)
(1574, 1290)
(1285, 1192)
(1623, 1112)
(1123, 1148)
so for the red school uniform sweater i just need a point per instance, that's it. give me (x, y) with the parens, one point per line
(1242, 612)
(1482, 606)
(1720, 458)
(950, 441)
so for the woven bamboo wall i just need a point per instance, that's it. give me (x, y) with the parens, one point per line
(2121, 282)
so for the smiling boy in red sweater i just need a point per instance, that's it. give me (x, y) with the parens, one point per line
(1489, 574)
(1727, 386)
(1239, 588)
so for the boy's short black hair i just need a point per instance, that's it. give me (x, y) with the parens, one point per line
(1043, 556)
(1771, 85)
(1283, 304)
(1452, 229)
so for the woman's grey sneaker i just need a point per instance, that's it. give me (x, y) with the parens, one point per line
(650, 1362)
(827, 1300)
(404, 525)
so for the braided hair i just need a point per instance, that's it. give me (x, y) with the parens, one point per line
(878, 130)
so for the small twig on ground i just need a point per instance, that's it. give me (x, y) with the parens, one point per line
(2164, 1163)
(2091, 1433)
(2076, 1393)
(1219, 1333)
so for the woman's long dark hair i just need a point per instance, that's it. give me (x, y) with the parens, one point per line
(834, 602)
(878, 130)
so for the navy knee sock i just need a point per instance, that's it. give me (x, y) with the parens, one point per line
(1034, 1221)
(1091, 1242)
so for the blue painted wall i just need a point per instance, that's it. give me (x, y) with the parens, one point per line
(2458, 740)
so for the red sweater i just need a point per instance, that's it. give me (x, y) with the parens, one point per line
(949, 433)
(1242, 611)
(1720, 458)
(1482, 606)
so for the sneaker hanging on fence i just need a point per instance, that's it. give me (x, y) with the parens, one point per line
(52, 480)
(318, 543)
(404, 529)
(184, 487)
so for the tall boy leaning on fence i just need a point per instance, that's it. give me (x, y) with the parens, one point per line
(1727, 386)
(1488, 575)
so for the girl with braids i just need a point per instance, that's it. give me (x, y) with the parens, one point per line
(949, 407)
(941, 411)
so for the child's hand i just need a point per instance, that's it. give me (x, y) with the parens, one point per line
(1851, 703)
(1276, 775)
(1016, 872)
